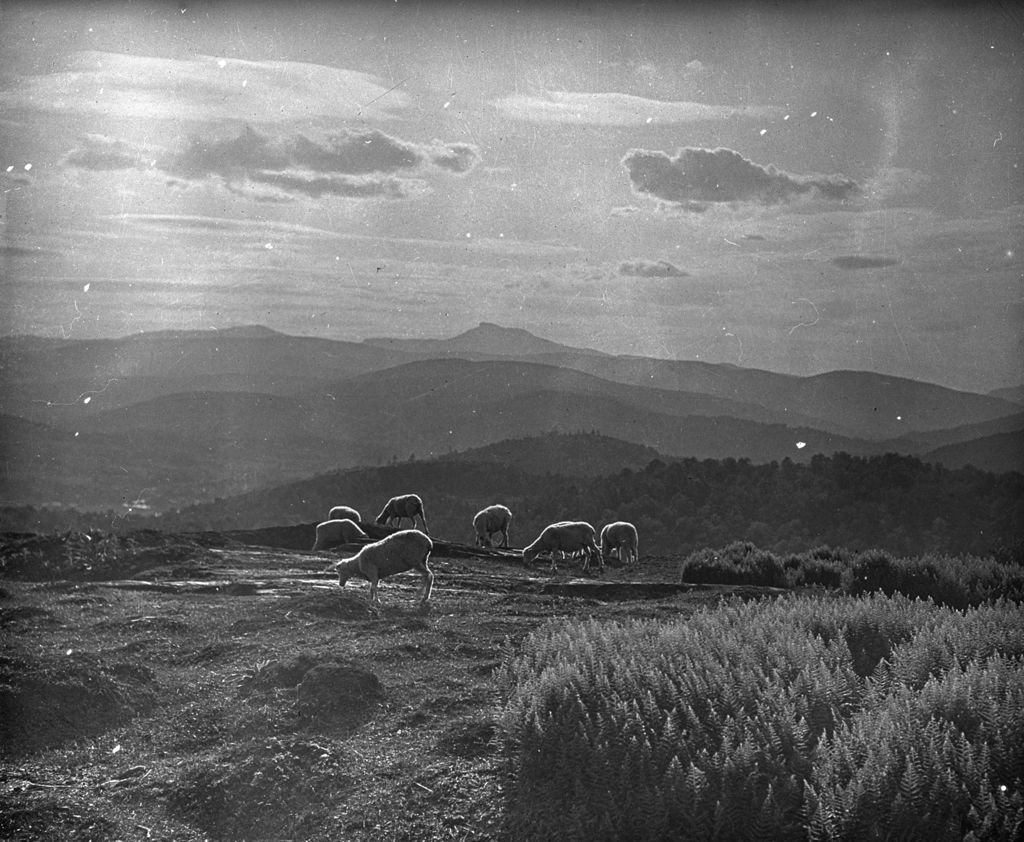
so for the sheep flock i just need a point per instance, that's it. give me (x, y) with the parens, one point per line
(409, 549)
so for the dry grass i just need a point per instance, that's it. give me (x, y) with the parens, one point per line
(173, 713)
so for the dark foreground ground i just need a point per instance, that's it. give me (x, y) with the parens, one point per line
(234, 692)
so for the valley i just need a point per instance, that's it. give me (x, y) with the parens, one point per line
(166, 419)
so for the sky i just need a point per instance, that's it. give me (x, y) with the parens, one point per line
(796, 187)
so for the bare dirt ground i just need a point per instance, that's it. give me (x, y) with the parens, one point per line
(231, 692)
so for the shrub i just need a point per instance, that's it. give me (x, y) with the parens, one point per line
(959, 582)
(739, 563)
(947, 580)
(756, 721)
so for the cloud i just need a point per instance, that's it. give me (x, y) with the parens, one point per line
(698, 179)
(456, 157)
(204, 88)
(103, 153)
(651, 269)
(352, 164)
(24, 251)
(344, 186)
(614, 109)
(863, 261)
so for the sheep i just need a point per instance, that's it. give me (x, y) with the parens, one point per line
(490, 520)
(408, 549)
(336, 531)
(344, 512)
(620, 537)
(404, 506)
(566, 537)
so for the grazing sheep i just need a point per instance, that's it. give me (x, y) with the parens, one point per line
(566, 537)
(401, 551)
(344, 512)
(490, 520)
(336, 531)
(620, 537)
(404, 506)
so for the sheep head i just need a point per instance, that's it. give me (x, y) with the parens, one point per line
(347, 569)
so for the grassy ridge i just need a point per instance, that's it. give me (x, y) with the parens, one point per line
(834, 719)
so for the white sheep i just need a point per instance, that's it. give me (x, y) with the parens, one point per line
(401, 551)
(344, 513)
(330, 533)
(566, 537)
(403, 506)
(621, 538)
(490, 520)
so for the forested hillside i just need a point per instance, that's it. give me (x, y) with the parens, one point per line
(891, 502)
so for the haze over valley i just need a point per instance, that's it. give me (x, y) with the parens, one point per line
(167, 419)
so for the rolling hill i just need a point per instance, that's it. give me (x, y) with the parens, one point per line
(997, 453)
(49, 379)
(1015, 394)
(462, 383)
(853, 403)
(44, 465)
(566, 454)
(186, 415)
(170, 451)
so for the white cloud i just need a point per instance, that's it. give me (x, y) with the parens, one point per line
(615, 109)
(203, 88)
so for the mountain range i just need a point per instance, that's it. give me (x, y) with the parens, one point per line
(170, 418)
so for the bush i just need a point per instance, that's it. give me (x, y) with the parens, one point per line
(758, 721)
(956, 582)
(959, 582)
(739, 563)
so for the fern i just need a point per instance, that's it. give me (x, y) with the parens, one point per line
(755, 721)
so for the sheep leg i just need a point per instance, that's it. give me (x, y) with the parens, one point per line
(374, 577)
(504, 538)
(428, 585)
(423, 517)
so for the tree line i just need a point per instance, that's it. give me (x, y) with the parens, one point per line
(892, 502)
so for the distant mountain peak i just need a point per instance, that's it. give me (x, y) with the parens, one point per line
(247, 331)
(486, 338)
